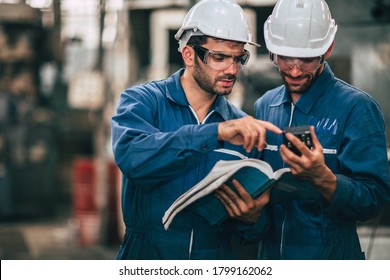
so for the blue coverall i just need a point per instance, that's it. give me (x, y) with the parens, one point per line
(162, 151)
(350, 127)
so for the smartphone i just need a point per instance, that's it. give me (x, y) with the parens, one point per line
(302, 133)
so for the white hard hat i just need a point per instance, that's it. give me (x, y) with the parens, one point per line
(223, 19)
(300, 28)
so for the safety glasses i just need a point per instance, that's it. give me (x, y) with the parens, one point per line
(221, 61)
(306, 64)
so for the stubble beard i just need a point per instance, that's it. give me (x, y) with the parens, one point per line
(209, 86)
(302, 88)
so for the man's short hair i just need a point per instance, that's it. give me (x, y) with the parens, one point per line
(197, 40)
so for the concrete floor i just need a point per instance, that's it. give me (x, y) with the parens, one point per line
(61, 239)
(375, 242)
(54, 240)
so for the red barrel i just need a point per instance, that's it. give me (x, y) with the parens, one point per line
(85, 207)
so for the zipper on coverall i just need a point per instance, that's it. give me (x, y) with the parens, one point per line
(197, 171)
(285, 206)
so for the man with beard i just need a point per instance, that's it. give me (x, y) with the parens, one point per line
(347, 164)
(168, 134)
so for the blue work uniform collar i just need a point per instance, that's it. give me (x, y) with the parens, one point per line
(176, 94)
(310, 97)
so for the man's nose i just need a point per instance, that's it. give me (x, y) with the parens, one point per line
(234, 68)
(295, 71)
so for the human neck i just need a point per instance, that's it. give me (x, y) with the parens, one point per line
(199, 100)
(295, 97)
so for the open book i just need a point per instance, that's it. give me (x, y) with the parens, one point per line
(254, 175)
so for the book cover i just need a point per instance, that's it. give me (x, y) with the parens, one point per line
(253, 174)
(255, 183)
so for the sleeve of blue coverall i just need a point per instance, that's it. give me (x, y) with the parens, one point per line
(147, 155)
(254, 232)
(363, 183)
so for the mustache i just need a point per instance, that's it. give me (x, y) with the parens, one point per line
(286, 74)
(227, 77)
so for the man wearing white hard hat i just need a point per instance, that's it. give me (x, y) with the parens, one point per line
(168, 134)
(346, 162)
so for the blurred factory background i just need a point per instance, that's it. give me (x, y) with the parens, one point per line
(63, 64)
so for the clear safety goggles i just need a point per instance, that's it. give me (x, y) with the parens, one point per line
(305, 64)
(218, 60)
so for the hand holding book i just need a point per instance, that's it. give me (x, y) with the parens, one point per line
(240, 205)
(254, 175)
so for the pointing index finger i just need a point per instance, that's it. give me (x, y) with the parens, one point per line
(271, 127)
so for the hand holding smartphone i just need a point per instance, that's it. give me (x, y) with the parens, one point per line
(302, 133)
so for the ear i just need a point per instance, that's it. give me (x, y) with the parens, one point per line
(329, 51)
(188, 55)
